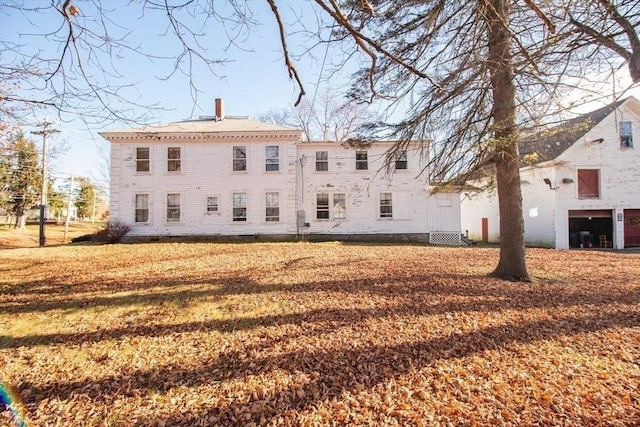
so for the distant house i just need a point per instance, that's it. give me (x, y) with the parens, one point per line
(580, 184)
(231, 176)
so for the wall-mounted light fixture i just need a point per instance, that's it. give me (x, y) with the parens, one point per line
(595, 141)
(567, 181)
(548, 182)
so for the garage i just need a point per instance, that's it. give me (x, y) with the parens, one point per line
(586, 227)
(631, 228)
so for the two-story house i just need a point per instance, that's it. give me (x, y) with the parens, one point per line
(580, 184)
(232, 176)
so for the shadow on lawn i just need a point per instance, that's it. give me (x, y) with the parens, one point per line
(333, 373)
(422, 295)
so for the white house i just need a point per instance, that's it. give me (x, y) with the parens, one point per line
(231, 176)
(580, 184)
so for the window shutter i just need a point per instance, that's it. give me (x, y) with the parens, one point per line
(588, 183)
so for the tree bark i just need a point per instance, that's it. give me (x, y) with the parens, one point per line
(512, 264)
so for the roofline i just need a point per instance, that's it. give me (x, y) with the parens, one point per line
(255, 134)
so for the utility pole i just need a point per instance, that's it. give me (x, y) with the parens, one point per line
(46, 131)
(66, 222)
(93, 211)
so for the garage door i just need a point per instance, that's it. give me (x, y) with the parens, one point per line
(631, 227)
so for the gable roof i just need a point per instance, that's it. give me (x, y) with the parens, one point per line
(549, 143)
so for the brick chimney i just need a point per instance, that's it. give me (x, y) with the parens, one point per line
(219, 109)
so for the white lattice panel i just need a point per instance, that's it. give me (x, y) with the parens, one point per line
(444, 238)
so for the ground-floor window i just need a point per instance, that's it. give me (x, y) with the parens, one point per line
(173, 207)
(386, 205)
(239, 206)
(272, 213)
(142, 208)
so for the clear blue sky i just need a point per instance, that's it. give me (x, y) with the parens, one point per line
(253, 80)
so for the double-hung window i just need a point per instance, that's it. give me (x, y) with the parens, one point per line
(322, 206)
(173, 159)
(626, 136)
(386, 205)
(173, 207)
(339, 206)
(362, 163)
(401, 160)
(142, 208)
(272, 158)
(212, 204)
(337, 209)
(272, 213)
(142, 159)
(240, 207)
(322, 161)
(240, 158)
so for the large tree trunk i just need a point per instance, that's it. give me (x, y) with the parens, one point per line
(512, 264)
(20, 223)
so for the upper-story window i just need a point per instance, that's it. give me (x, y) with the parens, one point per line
(142, 159)
(272, 158)
(626, 137)
(173, 159)
(322, 161)
(362, 162)
(240, 158)
(401, 159)
(588, 183)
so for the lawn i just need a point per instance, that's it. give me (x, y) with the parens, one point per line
(10, 238)
(203, 334)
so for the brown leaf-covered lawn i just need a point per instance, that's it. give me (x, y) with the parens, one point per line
(318, 334)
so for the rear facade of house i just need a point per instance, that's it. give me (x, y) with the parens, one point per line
(231, 176)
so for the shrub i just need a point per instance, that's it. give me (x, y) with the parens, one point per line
(113, 232)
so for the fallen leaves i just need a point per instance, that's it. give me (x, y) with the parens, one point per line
(318, 334)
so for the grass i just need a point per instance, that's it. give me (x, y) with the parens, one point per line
(10, 238)
(317, 334)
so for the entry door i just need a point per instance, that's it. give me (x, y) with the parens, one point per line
(631, 227)
(485, 229)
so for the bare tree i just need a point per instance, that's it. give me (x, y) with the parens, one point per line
(325, 117)
(471, 75)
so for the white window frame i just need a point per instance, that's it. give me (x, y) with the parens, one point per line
(176, 162)
(626, 134)
(211, 206)
(326, 208)
(235, 159)
(385, 200)
(339, 214)
(272, 207)
(241, 198)
(320, 161)
(136, 208)
(139, 160)
(360, 162)
(401, 162)
(174, 207)
(271, 161)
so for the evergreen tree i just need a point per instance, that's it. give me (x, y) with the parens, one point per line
(21, 176)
